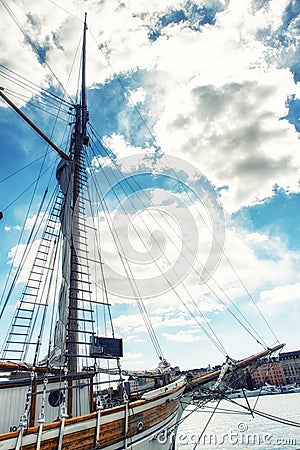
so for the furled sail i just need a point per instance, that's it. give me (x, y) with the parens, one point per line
(164, 367)
(64, 176)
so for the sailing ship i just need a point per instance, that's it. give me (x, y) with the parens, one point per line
(62, 385)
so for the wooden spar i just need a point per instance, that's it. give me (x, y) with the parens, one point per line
(198, 381)
(7, 365)
(62, 154)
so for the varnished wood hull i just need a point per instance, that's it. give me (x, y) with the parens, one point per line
(148, 420)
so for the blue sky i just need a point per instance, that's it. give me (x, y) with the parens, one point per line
(211, 83)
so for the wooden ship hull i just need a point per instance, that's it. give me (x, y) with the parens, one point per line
(138, 424)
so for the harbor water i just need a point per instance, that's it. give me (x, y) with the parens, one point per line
(226, 426)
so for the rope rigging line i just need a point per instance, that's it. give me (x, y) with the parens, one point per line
(44, 92)
(216, 342)
(239, 279)
(269, 416)
(196, 408)
(194, 269)
(210, 276)
(270, 366)
(28, 187)
(257, 338)
(131, 280)
(36, 49)
(22, 168)
(206, 425)
(138, 297)
(39, 132)
(144, 121)
(19, 241)
(44, 295)
(36, 104)
(222, 411)
(252, 299)
(98, 247)
(32, 87)
(31, 238)
(36, 100)
(54, 310)
(33, 46)
(263, 343)
(65, 10)
(72, 68)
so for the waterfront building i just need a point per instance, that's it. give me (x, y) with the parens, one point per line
(269, 372)
(290, 365)
(285, 369)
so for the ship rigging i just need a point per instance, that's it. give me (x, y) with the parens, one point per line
(68, 402)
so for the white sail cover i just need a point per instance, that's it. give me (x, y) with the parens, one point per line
(163, 367)
(64, 175)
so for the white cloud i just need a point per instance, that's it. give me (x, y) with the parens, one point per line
(137, 96)
(259, 260)
(130, 323)
(101, 161)
(134, 338)
(281, 295)
(132, 356)
(14, 228)
(181, 336)
(16, 256)
(134, 323)
(120, 147)
(221, 113)
(234, 133)
(37, 220)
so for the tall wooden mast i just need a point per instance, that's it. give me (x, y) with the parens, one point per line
(79, 140)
